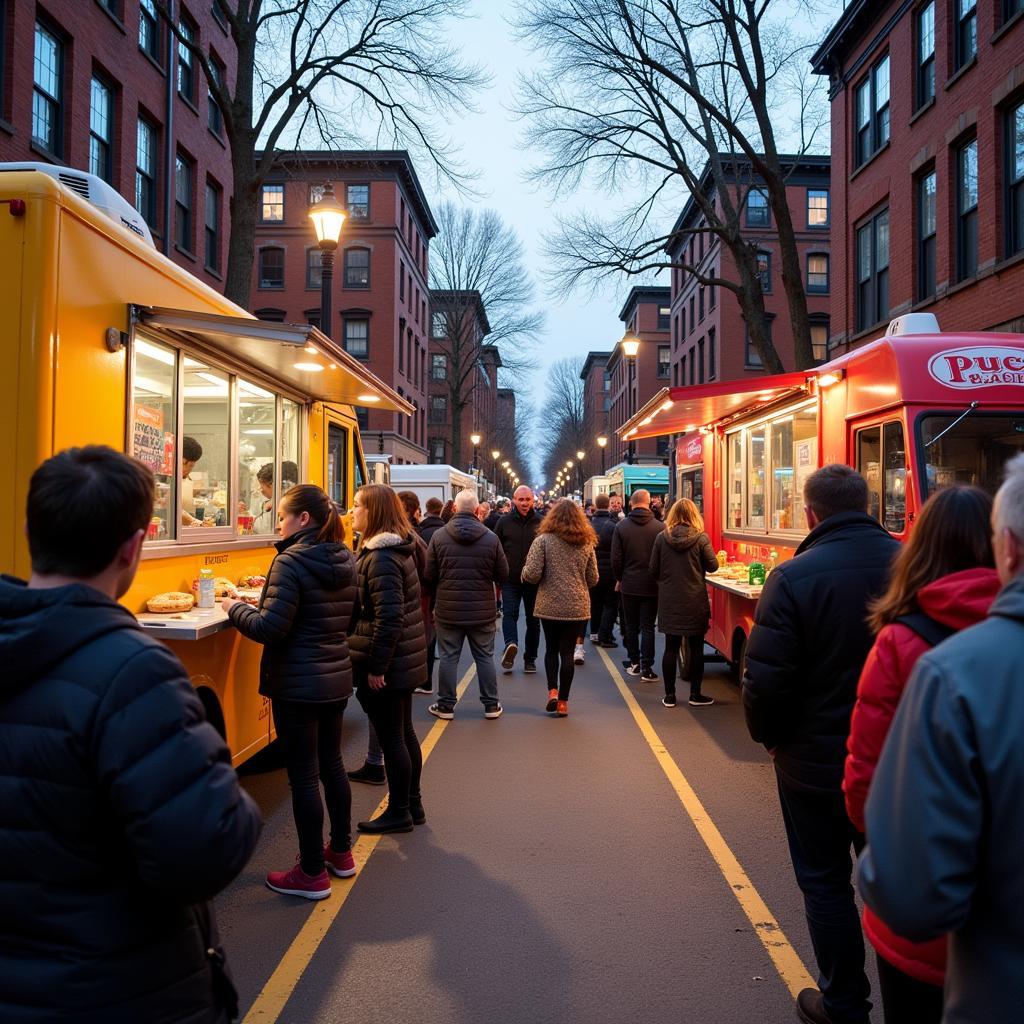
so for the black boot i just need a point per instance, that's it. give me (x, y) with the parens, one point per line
(389, 821)
(371, 774)
(419, 816)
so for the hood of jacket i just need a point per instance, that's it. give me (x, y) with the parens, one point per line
(641, 516)
(960, 599)
(1010, 602)
(428, 522)
(682, 537)
(403, 545)
(40, 628)
(325, 561)
(841, 521)
(602, 513)
(465, 528)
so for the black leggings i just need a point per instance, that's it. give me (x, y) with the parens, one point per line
(905, 1000)
(390, 713)
(559, 644)
(311, 737)
(673, 645)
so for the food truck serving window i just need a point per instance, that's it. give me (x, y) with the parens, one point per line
(973, 452)
(223, 448)
(882, 461)
(766, 465)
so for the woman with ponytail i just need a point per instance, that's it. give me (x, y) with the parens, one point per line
(302, 620)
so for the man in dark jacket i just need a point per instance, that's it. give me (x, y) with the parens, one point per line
(500, 508)
(945, 829)
(806, 651)
(516, 532)
(632, 544)
(464, 564)
(432, 521)
(604, 601)
(121, 814)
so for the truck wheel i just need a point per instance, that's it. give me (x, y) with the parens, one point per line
(214, 715)
(738, 665)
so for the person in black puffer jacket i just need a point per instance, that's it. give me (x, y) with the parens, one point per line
(389, 648)
(682, 555)
(464, 563)
(604, 601)
(121, 813)
(301, 620)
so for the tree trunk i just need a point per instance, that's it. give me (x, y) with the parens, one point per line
(242, 239)
(453, 398)
(792, 276)
(751, 300)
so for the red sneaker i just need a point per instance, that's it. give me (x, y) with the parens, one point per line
(343, 865)
(297, 883)
(562, 709)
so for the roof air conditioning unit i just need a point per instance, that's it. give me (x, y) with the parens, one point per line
(93, 189)
(912, 323)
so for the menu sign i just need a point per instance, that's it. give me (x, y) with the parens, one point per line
(148, 440)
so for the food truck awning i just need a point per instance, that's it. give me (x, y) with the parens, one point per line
(296, 354)
(680, 410)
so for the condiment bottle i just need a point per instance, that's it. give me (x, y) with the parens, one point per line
(207, 589)
(722, 558)
(773, 558)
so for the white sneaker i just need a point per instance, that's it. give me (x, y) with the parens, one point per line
(577, 655)
(593, 638)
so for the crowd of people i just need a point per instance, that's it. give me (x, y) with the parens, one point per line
(883, 680)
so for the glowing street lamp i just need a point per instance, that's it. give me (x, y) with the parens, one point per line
(602, 443)
(328, 216)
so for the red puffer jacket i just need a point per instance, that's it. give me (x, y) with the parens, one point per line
(958, 600)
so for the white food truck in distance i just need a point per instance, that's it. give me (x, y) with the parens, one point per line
(442, 482)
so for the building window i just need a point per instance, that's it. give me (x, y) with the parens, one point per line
(357, 268)
(817, 208)
(664, 317)
(1015, 179)
(215, 118)
(211, 229)
(700, 361)
(751, 358)
(270, 315)
(693, 315)
(184, 191)
(272, 204)
(925, 56)
(401, 281)
(682, 370)
(437, 450)
(314, 268)
(101, 126)
(817, 273)
(271, 265)
(682, 324)
(693, 365)
(764, 271)
(664, 360)
(149, 29)
(873, 271)
(438, 409)
(712, 357)
(438, 367)
(357, 338)
(926, 226)
(711, 291)
(186, 62)
(757, 208)
(967, 210)
(1011, 8)
(358, 201)
(217, 10)
(145, 171)
(819, 340)
(872, 112)
(47, 91)
(700, 303)
(966, 32)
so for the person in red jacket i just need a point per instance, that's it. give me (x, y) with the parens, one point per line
(943, 581)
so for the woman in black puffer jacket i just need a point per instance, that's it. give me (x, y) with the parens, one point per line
(682, 555)
(302, 620)
(389, 649)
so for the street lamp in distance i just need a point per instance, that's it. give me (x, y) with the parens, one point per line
(328, 217)
(495, 455)
(630, 347)
(602, 443)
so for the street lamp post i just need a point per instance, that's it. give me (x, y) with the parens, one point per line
(630, 347)
(495, 455)
(579, 470)
(474, 440)
(602, 443)
(328, 216)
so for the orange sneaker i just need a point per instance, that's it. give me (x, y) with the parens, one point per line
(552, 702)
(562, 708)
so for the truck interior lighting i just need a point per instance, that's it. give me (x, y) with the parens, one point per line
(665, 406)
(367, 398)
(252, 389)
(308, 367)
(311, 349)
(826, 380)
(159, 354)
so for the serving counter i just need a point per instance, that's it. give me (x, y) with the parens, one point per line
(735, 587)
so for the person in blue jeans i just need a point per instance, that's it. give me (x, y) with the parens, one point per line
(516, 531)
(464, 564)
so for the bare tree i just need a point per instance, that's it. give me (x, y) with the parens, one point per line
(479, 288)
(641, 96)
(310, 70)
(565, 417)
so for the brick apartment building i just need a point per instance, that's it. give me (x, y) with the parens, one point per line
(709, 339)
(928, 158)
(596, 407)
(646, 314)
(103, 86)
(380, 296)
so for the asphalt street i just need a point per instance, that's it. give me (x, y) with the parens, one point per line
(559, 877)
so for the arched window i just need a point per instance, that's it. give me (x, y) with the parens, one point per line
(357, 268)
(272, 267)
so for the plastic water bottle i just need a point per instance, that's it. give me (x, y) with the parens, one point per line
(207, 598)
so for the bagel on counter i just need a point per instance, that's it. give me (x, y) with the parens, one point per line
(171, 601)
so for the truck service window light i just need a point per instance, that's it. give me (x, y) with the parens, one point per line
(665, 406)
(827, 380)
(159, 354)
(308, 367)
(368, 398)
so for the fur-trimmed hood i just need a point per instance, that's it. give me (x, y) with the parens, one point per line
(384, 540)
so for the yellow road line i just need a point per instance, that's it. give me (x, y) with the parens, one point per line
(281, 984)
(786, 959)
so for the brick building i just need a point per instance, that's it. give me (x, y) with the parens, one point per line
(709, 339)
(645, 314)
(102, 86)
(380, 295)
(597, 406)
(928, 153)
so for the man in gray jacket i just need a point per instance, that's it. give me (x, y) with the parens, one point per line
(465, 562)
(945, 828)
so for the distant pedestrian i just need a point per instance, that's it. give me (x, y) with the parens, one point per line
(121, 816)
(945, 829)
(302, 621)
(428, 526)
(465, 562)
(562, 565)
(516, 532)
(615, 507)
(681, 558)
(604, 599)
(806, 651)
(944, 580)
(632, 544)
(389, 649)
(448, 510)
(483, 510)
(657, 508)
(432, 521)
(501, 506)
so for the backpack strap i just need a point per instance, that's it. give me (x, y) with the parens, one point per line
(928, 629)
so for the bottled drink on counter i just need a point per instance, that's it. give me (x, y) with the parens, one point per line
(773, 559)
(206, 589)
(756, 574)
(722, 558)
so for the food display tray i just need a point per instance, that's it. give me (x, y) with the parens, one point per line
(735, 587)
(191, 625)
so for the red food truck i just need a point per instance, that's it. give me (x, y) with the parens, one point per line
(912, 412)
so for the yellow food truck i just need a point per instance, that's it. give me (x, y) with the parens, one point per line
(106, 341)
